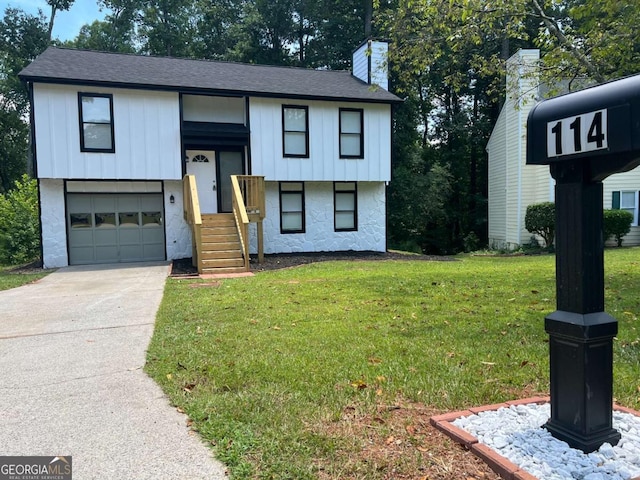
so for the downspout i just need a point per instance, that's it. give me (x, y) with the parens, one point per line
(520, 141)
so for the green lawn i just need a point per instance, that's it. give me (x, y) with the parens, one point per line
(264, 366)
(10, 279)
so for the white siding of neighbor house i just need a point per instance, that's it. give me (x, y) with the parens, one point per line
(320, 235)
(513, 185)
(497, 179)
(147, 135)
(324, 162)
(626, 182)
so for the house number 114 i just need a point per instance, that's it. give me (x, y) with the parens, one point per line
(579, 134)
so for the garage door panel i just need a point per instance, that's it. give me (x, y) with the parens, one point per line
(107, 228)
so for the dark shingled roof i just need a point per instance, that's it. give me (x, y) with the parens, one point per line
(62, 65)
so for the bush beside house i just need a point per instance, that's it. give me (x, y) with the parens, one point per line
(540, 219)
(19, 225)
(616, 223)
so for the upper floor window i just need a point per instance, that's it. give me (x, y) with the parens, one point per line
(351, 133)
(295, 131)
(96, 122)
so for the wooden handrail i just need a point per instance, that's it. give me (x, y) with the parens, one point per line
(194, 218)
(241, 217)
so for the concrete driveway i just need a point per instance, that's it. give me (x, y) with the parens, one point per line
(72, 348)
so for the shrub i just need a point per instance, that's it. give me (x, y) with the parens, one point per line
(616, 223)
(19, 225)
(541, 220)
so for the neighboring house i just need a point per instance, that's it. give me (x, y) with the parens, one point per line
(514, 185)
(114, 136)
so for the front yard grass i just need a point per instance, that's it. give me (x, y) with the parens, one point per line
(9, 278)
(296, 373)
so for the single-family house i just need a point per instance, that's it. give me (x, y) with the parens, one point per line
(142, 158)
(514, 185)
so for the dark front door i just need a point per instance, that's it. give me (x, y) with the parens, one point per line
(229, 162)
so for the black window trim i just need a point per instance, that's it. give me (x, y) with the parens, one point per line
(303, 212)
(340, 133)
(81, 95)
(306, 131)
(355, 207)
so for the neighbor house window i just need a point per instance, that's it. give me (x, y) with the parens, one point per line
(351, 133)
(295, 131)
(292, 207)
(96, 122)
(345, 201)
(626, 200)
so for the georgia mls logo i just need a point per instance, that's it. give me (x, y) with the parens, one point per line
(35, 468)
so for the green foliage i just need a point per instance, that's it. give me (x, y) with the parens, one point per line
(11, 278)
(19, 223)
(616, 223)
(13, 148)
(541, 220)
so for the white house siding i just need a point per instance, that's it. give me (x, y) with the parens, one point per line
(147, 135)
(497, 178)
(627, 181)
(320, 235)
(177, 231)
(54, 229)
(324, 162)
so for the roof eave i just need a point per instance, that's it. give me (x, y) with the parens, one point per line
(199, 90)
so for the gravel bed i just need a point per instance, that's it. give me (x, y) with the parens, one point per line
(516, 433)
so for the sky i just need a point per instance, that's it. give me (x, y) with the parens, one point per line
(67, 24)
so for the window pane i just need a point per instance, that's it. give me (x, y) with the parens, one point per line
(350, 122)
(345, 186)
(345, 220)
(292, 203)
(105, 220)
(80, 220)
(151, 219)
(628, 200)
(97, 135)
(129, 220)
(350, 145)
(295, 119)
(96, 109)
(345, 202)
(291, 186)
(292, 221)
(295, 144)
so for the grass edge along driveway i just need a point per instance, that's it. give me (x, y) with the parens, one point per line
(9, 278)
(297, 373)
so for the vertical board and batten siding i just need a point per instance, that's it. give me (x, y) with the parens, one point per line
(146, 135)
(497, 179)
(324, 162)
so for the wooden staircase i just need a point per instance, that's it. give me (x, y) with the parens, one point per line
(221, 248)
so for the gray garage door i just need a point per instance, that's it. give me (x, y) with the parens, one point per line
(109, 228)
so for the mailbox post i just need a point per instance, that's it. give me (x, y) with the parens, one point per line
(584, 137)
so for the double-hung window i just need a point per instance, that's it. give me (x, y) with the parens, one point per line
(345, 201)
(351, 133)
(295, 131)
(96, 122)
(292, 207)
(626, 200)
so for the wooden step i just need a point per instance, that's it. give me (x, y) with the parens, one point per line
(223, 263)
(212, 237)
(220, 254)
(223, 270)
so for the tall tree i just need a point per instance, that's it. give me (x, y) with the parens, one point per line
(56, 6)
(167, 27)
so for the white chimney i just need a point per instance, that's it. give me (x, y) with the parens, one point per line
(370, 63)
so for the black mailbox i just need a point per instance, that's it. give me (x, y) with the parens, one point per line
(599, 125)
(584, 137)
